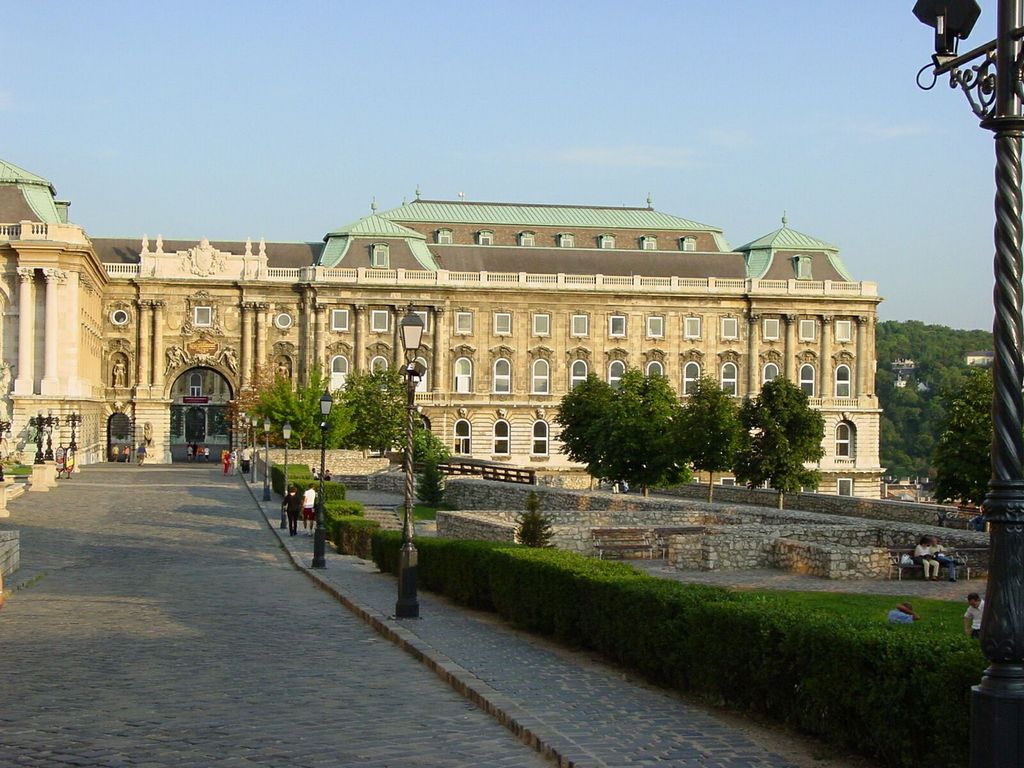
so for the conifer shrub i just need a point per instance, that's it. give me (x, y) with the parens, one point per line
(430, 485)
(532, 528)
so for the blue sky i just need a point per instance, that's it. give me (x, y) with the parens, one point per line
(283, 121)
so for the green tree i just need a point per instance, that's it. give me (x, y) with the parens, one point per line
(430, 484)
(580, 415)
(276, 400)
(708, 430)
(781, 432)
(962, 456)
(428, 447)
(532, 528)
(376, 403)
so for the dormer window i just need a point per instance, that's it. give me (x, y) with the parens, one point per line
(527, 239)
(443, 237)
(802, 267)
(688, 243)
(485, 237)
(649, 243)
(380, 256)
(567, 240)
(606, 241)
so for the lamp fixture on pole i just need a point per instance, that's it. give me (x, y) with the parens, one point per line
(408, 606)
(286, 433)
(266, 459)
(319, 535)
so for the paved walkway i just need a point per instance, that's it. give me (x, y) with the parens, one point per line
(158, 621)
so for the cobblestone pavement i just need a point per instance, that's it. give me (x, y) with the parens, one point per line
(156, 622)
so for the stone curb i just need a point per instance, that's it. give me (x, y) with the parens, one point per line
(524, 726)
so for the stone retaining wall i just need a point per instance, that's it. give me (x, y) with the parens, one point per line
(338, 462)
(10, 551)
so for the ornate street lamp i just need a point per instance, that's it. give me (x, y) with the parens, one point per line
(319, 535)
(5, 431)
(251, 438)
(50, 423)
(36, 422)
(990, 77)
(286, 433)
(408, 606)
(266, 459)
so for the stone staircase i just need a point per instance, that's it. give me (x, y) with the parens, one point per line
(386, 517)
(353, 482)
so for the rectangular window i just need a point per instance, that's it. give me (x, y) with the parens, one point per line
(770, 329)
(803, 267)
(689, 244)
(444, 237)
(649, 243)
(580, 325)
(380, 258)
(730, 328)
(844, 330)
(527, 239)
(691, 328)
(808, 330)
(617, 326)
(844, 486)
(503, 323)
(727, 481)
(379, 320)
(463, 322)
(542, 325)
(339, 319)
(567, 240)
(655, 327)
(422, 315)
(203, 316)
(485, 237)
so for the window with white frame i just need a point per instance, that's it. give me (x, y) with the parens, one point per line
(691, 375)
(691, 327)
(844, 440)
(463, 438)
(424, 317)
(843, 381)
(202, 316)
(844, 486)
(617, 326)
(195, 385)
(379, 363)
(729, 377)
(808, 330)
(844, 330)
(542, 325)
(566, 240)
(485, 237)
(339, 319)
(655, 368)
(380, 256)
(463, 322)
(655, 327)
(541, 381)
(502, 383)
(527, 239)
(727, 481)
(380, 320)
(443, 237)
(688, 243)
(802, 267)
(730, 328)
(649, 243)
(615, 371)
(807, 379)
(578, 373)
(421, 382)
(503, 323)
(502, 438)
(463, 375)
(770, 329)
(339, 372)
(770, 373)
(580, 325)
(606, 241)
(540, 439)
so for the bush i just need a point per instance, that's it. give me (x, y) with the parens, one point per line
(333, 491)
(532, 528)
(430, 487)
(297, 473)
(342, 509)
(351, 535)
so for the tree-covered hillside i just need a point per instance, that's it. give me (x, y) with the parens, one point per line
(911, 414)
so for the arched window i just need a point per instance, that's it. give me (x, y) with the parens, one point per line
(541, 377)
(540, 438)
(195, 385)
(615, 371)
(463, 375)
(807, 379)
(502, 383)
(339, 372)
(421, 385)
(379, 363)
(502, 441)
(691, 374)
(770, 373)
(729, 376)
(844, 440)
(577, 373)
(843, 381)
(654, 368)
(463, 438)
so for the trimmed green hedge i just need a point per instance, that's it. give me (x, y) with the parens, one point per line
(352, 535)
(898, 695)
(342, 509)
(297, 473)
(333, 491)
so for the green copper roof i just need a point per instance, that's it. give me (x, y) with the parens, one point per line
(786, 239)
(12, 174)
(514, 214)
(374, 226)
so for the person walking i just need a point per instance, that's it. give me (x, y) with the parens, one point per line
(972, 616)
(140, 454)
(308, 502)
(234, 460)
(293, 506)
(188, 451)
(225, 460)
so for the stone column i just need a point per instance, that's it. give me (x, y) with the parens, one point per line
(359, 338)
(24, 384)
(50, 384)
(304, 349)
(261, 336)
(158, 347)
(826, 373)
(863, 364)
(397, 352)
(753, 366)
(143, 356)
(790, 368)
(72, 334)
(436, 355)
(246, 343)
(320, 311)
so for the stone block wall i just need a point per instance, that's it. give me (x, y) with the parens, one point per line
(10, 551)
(338, 462)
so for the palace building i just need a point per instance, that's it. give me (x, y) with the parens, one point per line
(150, 338)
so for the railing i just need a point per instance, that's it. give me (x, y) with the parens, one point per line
(490, 472)
(37, 230)
(122, 270)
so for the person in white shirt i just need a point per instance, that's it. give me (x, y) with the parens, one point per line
(972, 616)
(308, 502)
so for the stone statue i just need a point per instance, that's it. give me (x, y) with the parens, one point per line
(119, 372)
(147, 433)
(175, 358)
(230, 359)
(284, 370)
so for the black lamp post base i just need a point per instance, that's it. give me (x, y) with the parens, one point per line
(997, 711)
(284, 519)
(319, 547)
(408, 605)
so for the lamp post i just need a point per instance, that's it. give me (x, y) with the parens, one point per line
(319, 535)
(36, 422)
(990, 77)
(5, 432)
(286, 433)
(266, 459)
(50, 422)
(74, 419)
(408, 605)
(251, 438)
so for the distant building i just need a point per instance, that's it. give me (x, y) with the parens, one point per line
(982, 359)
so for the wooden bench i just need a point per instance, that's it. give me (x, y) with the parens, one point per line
(623, 542)
(898, 565)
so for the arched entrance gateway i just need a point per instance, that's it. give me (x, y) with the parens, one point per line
(199, 400)
(119, 437)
